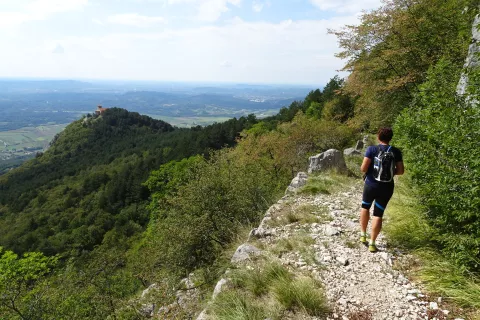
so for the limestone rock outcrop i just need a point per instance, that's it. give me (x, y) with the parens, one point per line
(299, 181)
(244, 253)
(473, 58)
(330, 159)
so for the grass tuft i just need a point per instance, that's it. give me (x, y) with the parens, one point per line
(267, 290)
(302, 294)
(258, 280)
(407, 227)
(446, 279)
(235, 305)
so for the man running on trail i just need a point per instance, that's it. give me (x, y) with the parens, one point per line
(380, 164)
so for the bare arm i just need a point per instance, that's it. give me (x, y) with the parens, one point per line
(365, 164)
(399, 168)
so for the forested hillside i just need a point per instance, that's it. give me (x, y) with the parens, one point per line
(95, 208)
(122, 201)
(90, 181)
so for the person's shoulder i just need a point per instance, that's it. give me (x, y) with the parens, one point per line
(397, 152)
(395, 149)
(371, 151)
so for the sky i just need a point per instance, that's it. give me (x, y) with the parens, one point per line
(247, 41)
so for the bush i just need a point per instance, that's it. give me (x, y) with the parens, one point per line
(440, 138)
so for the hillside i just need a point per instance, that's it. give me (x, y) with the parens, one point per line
(304, 261)
(90, 180)
(125, 216)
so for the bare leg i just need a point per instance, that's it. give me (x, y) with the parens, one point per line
(376, 227)
(364, 217)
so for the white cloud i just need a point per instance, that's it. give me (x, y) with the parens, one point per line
(39, 10)
(250, 51)
(226, 64)
(208, 10)
(134, 19)
(257, 6)
(44, 8)
(9, 19)
(58, 49)
(346, 6)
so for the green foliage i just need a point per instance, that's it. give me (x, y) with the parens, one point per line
(166, 181)
(90, 181)
(331, 104)
(325, 183)
(408, 227)
(238, 306)
(205, 213)
(23, 284)
(303, 294)
(267, 290)
(391, 50)
(440, 141)
(285, 151)
(119, 226)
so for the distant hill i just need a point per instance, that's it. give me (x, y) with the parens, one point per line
(89, 182)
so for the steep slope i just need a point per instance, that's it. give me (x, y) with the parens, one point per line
(313, 238)
(90, 181)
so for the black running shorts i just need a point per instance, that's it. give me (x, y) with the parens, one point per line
(381, 194)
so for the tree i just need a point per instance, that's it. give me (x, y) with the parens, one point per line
(440, 142)
(23, 284)
(391, 50)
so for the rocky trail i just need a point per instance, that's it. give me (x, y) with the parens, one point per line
(356, 281)
(324, 230)
(314, 233)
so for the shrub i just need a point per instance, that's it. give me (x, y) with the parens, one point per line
(440, 138)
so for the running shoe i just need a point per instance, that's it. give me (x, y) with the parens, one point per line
(363, 239)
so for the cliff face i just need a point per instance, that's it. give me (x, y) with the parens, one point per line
(473, 58)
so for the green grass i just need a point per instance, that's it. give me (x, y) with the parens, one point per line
(307, 214)
(303, 214)
(406, 225)
(407, 228)
(297, 242)
(447, 280)
(303, 294)
(237, 305)
(258, 280)
(353, 165)
(326, 183)
(267, 291)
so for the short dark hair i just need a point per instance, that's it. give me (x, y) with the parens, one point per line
(385, 134)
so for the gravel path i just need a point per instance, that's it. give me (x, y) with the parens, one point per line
(358, 284)
(318, 236)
